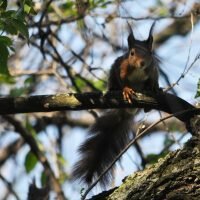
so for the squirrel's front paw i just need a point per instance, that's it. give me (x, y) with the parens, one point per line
(128, 93)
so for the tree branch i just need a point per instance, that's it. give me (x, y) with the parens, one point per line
(82, 101)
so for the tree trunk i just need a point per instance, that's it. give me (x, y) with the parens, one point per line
(174, 177)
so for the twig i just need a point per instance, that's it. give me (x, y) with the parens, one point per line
(185, 70)
(154, 18)
(64, 64)
(166, 148)
(10, 150)
(78, 56)
(38, 153)
(9, 187)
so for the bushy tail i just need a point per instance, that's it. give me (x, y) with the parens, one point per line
(108, 136)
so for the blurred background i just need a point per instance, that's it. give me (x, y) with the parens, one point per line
(70, 47)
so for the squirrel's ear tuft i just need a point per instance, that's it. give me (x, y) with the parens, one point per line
(130, 38)
(149, 41)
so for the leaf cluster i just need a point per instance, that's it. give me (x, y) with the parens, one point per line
(12, 22)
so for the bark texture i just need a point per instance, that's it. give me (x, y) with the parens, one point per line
(174, 177)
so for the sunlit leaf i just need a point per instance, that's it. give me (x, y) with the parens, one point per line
(80, 83)
(27, 8)
(163, 11)
(6, 79)
(30, 162)
(99, 84)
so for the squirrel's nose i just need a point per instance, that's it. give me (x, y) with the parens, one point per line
(142, 64)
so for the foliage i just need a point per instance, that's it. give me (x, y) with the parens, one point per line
(12, 22)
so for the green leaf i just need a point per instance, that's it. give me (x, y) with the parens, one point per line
(163, 11)
(43, 179)
(5, 43)
(30, 162)
(198, 90)
(1, 24)
(27, 8)
(67, 5)
(9, 27)
(21, 27)
(99, 84)
(30, 129)
(29, 81)
(28, 2)
(16, 92)
(6, 79)
(5, 40)
(33, 12)
(80, 83)
(20, 15)
(3, 59)
(8, 14)
(3, 4)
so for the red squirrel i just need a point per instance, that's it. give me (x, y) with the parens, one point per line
(137, 70)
